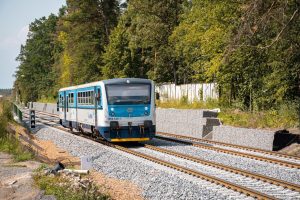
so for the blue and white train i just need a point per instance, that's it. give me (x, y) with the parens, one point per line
(119, 110)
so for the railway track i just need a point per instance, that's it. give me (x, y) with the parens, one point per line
(272, 153)
(199, 144)
(232, 186)
(234, 152)
(250, 149)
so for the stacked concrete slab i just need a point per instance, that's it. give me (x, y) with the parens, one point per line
(45, 107)
(256, 138)
(194, 123)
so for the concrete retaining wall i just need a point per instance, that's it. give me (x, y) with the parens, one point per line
(256, 138)
(194, 123)
(45, 107)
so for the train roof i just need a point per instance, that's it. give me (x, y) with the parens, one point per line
(81, 86)
(126, 80)
(109, 81)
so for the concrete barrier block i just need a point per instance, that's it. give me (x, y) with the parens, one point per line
(197, 132)
(256, 138)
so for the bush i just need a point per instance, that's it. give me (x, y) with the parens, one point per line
(62, 188)
(7, 142)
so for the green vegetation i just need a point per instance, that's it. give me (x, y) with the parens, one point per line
(8, 143)
(286, 116)
(250, 48)
(61, 187)
(50, 99)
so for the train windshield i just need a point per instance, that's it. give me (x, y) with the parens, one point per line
(128, 94)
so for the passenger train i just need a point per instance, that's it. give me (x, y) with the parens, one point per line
(119, 110)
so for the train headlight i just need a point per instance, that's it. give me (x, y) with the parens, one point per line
(146, 113)
(112, 114)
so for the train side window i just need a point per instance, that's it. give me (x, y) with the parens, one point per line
(79, 97)
(78, 100)
(83, 98)
(99, 97)
(86, 98)
(71, 99)
(92, 98)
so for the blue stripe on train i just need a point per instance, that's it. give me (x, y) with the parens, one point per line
(129, 110)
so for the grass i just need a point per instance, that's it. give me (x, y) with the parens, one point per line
(62, 188)
(285, 117)
(13, 146)
(184, 104)
(8, 143)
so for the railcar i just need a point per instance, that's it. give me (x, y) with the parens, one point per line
(119, 110)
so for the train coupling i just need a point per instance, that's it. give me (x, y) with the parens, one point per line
(114, 126)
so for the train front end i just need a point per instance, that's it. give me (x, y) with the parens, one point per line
(129, 110)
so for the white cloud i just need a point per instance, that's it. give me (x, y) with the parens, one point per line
(17, 39)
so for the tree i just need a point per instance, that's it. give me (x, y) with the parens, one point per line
(35, 76)
(263, 61)
(83, 32)
(139, 45)
(201, 38)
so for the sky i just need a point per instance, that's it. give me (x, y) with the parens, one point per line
(15, 17)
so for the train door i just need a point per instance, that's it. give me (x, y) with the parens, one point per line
(97, 103)
(65, 106)
(68, 105)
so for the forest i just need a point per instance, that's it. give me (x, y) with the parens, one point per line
(250, 48)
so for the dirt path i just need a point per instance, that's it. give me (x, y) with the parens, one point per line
(16, 181)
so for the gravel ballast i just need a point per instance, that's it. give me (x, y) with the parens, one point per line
(260, 167)
(292, 160)
(272, 190)
(156, 181)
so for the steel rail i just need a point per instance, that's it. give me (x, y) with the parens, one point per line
(272, 153)
(231, 145)
(234, 170)
(244, 190)
(214, 142)
(232, 152)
